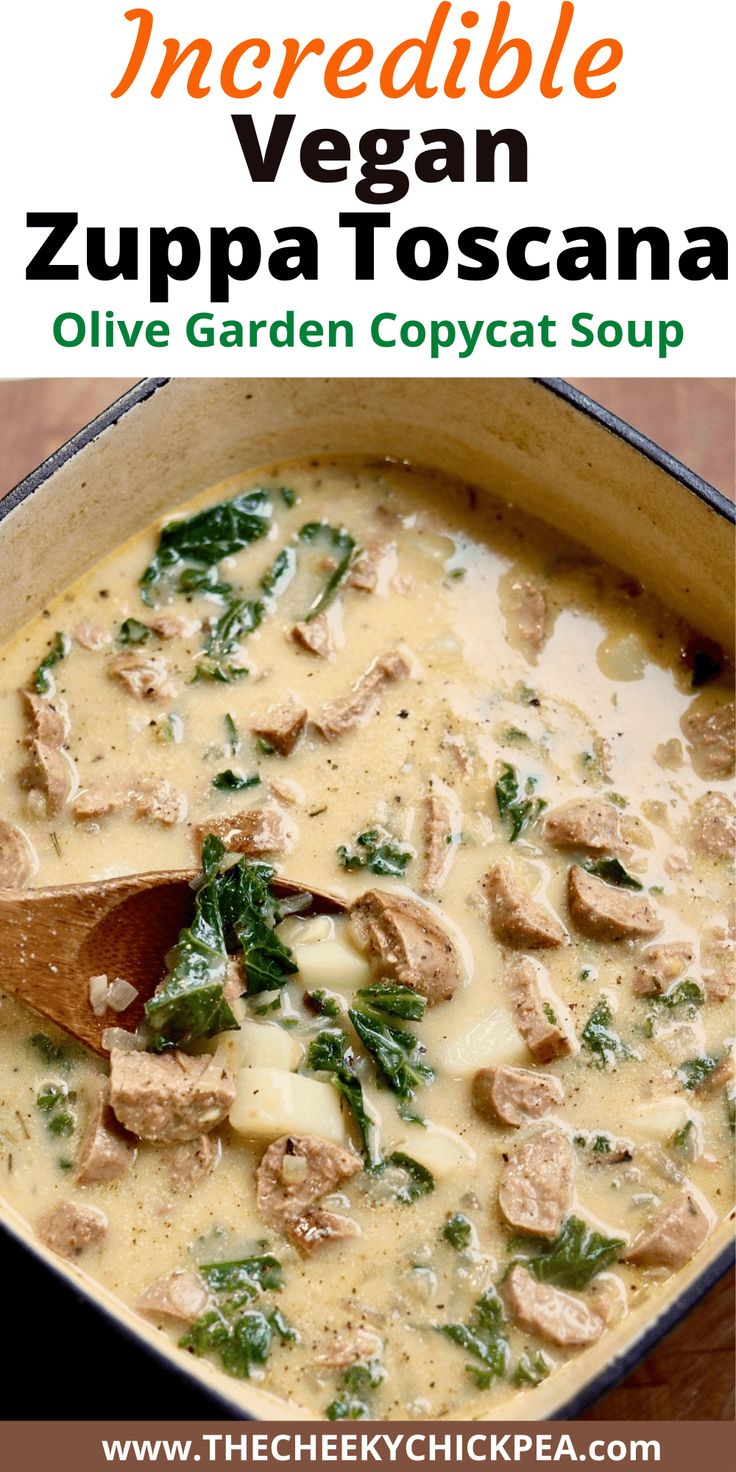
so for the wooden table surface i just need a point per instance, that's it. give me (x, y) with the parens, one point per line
(690, 1376)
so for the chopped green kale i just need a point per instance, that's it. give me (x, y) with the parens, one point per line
(132, 631)
(601, 1039)
(395, 999)
(230, 781)
(695, 1071)
(483, 1337)
(329, 1052)
(418, 1181)
(458, 1231)
(209, 535)
(280, 573)
(612, 870)
(531, 1369)
(356, 1386)
(514, 808)
(394, 1052)
(338, 542)
(376, 851)
(235, 906)
(41, 681)
(572, 1259)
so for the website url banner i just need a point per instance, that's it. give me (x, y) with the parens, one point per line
(92, 1446)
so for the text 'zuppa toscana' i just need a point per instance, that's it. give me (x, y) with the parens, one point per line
(410, 1156)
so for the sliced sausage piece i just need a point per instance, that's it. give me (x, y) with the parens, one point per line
(49, 718)
(603, 912)
(593, 826)
(525, 609)
(191, 1161)
(673, 1236)
(718, 963)
(560, 1317)
(146, 676)
(373, 568)
(660, 966)
(516, 919)
(441, 825)
(711, 737)
(293, 1176)
(98, 802)
(280, 726)
(179, 1297)
(18, 862)
(169, 1096)
(54, 774)
(91, 636)
(173, 625)
(535, 1192)
(70, 1229)
(407, 943)
(540, 1018)
(714, 826)
(339, 716)
(254, 832)
(349, 1347)
(515, 1096)
(157, 801)
(105, 1152)
(314, 636)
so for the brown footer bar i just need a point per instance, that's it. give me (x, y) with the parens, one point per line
(91, 1446)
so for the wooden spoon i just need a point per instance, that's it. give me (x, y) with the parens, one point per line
(53, 940)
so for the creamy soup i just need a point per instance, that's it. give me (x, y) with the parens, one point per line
(407, 1156)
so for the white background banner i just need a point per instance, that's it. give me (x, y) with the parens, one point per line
(657, 152)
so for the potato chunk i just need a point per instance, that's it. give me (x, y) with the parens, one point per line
(270, 1102)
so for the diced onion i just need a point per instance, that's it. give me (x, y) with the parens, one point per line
(125, 1042)
(294, 1170)
(121, 994)
(294, 903)
(98, 995)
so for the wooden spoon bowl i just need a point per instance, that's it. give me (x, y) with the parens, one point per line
(53, 940)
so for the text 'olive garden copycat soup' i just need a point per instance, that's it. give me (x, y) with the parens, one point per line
(408, 1158)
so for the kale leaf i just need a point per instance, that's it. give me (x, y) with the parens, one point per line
(572, 1259)
(240, 618)
(230, 781)
(531, 1369)
(458, 1231)
(484, 1337)
(335, 540)
(376, 851)
(601, 1039)
(329, 1052)
(209, 535)
(518, 810)
(280, 573)
(612, 870)
(132, 631)
(694, 1071)
(356, 1386)
(59, 649)
(394, 1052)
(232, 906)
(238, 1333)
(418, 1180)
(395, 999)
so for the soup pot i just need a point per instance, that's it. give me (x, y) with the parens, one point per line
(537, 443)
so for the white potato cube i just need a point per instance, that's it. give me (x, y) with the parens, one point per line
(493, 1039)
(440, 1151)
(266, 1045)
(270, 1102)
(332, 964)
(662, 1119)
